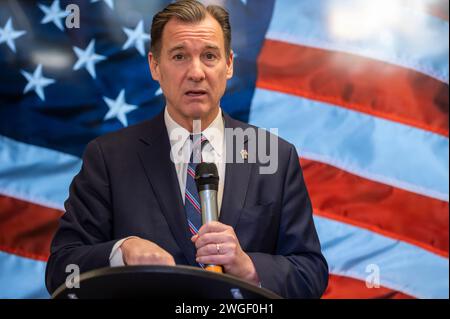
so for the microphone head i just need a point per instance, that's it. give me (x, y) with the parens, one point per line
(206, 176)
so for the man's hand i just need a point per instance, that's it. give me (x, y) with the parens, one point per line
(217, 244)
(138, 251)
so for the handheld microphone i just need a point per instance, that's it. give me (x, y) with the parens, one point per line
(207, 180)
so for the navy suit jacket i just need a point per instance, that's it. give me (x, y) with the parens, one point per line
(128, 186)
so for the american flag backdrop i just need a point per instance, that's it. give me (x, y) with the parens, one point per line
(360, 87)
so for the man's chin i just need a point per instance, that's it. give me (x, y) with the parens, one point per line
(199, 111)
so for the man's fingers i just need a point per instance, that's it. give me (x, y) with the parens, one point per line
(215, 249)
(150, 258)
(206, 250)
(213, 260)
(213, 238)
(213, 227)
(137, 251)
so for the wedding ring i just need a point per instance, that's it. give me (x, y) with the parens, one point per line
(218, 249)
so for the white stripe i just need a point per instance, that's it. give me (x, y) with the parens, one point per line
(350, 251)
(382, 30)
(193, 199)
(193, 227)
(36, 174)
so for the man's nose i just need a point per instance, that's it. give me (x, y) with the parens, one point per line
(196, 72)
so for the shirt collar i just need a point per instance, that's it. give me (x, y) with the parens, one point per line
(214, 133)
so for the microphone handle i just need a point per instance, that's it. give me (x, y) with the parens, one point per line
(208, 203)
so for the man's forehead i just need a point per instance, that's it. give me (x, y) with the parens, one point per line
(178, 33)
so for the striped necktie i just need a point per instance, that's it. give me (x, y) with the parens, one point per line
(192, 199)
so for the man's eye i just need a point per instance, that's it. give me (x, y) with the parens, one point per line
(178, 57)
(210, 56)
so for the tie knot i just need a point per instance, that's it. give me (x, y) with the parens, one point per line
(198, 142)
(198, 139)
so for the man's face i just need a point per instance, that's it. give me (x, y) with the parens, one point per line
(192, 68)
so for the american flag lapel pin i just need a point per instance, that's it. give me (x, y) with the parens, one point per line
(244, 154)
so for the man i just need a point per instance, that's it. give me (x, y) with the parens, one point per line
(130, 204)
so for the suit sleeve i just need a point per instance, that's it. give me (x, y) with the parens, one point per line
(298, 269)
(84, 235)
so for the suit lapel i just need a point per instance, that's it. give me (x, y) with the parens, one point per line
(160, 170)
(237, 177)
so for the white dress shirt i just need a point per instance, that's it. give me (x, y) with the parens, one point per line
(213, 151)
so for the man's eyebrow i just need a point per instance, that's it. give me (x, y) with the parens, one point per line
(182, 47)
(214, 47)
(178, 47)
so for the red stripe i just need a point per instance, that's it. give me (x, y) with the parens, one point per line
(27, 229)
(192, 230)
(191, 172)
(340, 287)
(192, 202)
(392, 212)
(357, 83)
(437, 8)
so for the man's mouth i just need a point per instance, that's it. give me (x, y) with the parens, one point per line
(195, 93)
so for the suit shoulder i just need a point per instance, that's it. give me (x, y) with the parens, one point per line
(127, 136)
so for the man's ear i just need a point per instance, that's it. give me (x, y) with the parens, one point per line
(230, 65)
(154, 66)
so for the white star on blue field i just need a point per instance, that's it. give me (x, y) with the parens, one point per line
(8, 35)
(88, 58)
(136, 37)
(54, 14)
(37, 82)
(119, 108)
